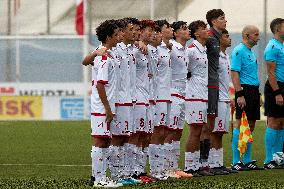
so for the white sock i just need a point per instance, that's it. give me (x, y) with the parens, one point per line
(216, 158)
(130, 158)
(163, 158)
(114, 165)
(211, 161)
(189, 161)
(197, 160)
(176, 153)
(99, 163)
(167, 154)
(122, 151)
(141, 160)
(154, 157)
(220, 157)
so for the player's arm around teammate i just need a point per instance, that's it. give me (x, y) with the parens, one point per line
(274, 93)
(102, 105)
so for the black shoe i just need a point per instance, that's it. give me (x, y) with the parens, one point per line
(205, 171)
(252, 166)
(272, 165)
(228, 170)
(240, 167)
(194, 173)
(91, 181)
(219, 171)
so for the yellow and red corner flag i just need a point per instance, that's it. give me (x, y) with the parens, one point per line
(245, 135)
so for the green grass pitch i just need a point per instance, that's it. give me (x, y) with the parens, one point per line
(50, 154)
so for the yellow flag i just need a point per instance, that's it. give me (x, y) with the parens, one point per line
(245, 135)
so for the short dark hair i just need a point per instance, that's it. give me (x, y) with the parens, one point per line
(176, 26)
(275, 24)
(212, 15)
(147, 23)
(194, 26)
(106, 29)
(224, 31)
(131, 20)
(161, 23)
(121, 23)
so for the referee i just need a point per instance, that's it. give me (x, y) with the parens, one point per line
(247, 97)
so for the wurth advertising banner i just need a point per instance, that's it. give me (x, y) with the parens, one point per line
(43, 89)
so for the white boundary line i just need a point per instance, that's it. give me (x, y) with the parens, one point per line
(42, 164)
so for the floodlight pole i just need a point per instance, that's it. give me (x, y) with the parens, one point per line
(263, 69)
(152, 9)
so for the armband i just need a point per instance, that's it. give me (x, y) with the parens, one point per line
(277, 92)
(239, 93)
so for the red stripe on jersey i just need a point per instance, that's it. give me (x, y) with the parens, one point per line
(191, 46)
(102, 82)
(178, 95)
(213, 87)
(141, 104)
(152, 102)
(195, 100)
(104, 57)
(163, 101)
(98, 114)
(93, 82)
(123, 104)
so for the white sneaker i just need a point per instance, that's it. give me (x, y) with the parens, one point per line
(160, 176)
(171, 174)
(107, 183)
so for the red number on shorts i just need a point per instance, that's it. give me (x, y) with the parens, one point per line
(101, 125)
(175, 120)
(200, 115)
(126, 125)
(220, 124)
(142, 124)
(163, 117)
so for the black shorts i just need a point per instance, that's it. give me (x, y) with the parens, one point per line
(213, 97)
(252, 108)
(271, 109)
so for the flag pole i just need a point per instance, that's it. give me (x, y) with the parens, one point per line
(17, 42)
(85, 52)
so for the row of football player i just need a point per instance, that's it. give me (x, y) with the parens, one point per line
(141, 96)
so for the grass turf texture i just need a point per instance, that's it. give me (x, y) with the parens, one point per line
(32, 154)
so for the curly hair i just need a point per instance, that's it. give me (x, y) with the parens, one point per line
(147, 23)
(106, 29)
(212, 15)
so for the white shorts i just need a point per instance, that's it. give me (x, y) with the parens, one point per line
(141, 121)
(99, 126)
(177, 114)
(123, 120)
(222, 122)
(150, 118)
(162, 114)
(196, 112)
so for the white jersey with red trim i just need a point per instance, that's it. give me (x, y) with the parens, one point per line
(123, 73)
(224, 77)
(142, 79)
(164, 73)
(103, 71)
(152, 69)
(179, 61)
(197, 84)
(132, 53)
